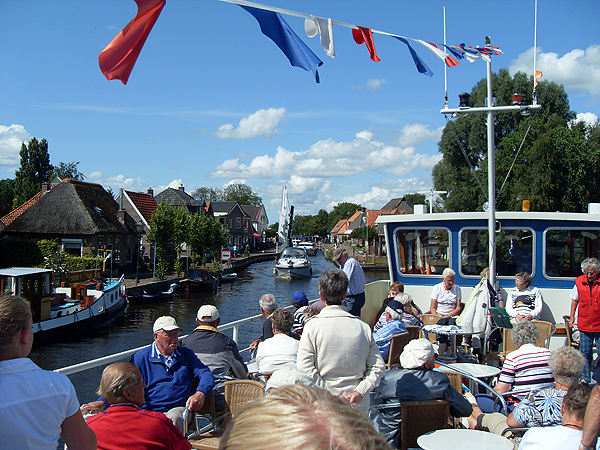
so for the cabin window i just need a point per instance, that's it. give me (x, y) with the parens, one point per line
(514, 251)
(422, 251)
(565, 249)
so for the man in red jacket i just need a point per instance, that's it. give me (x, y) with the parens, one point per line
(586, 296)
(124, 424)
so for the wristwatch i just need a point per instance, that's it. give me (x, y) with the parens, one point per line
(585, 447)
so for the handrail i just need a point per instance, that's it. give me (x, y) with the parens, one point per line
(127, 354)
(477, 380)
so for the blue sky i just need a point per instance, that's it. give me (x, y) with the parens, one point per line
(211, 100)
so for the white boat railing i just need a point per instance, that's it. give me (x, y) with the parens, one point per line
(375, 290)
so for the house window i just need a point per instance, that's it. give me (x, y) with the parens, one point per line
(129, 248)
(117, 254)
(230, 223)
(72, 246)
(238, 222)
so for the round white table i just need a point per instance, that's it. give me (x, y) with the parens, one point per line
(481, 371)
(459, 439)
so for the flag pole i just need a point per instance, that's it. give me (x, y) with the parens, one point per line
(534, 101)
(445, 66)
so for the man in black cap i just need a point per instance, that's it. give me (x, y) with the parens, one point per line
(394, 325)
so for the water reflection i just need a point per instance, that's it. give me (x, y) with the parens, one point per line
(234, 300)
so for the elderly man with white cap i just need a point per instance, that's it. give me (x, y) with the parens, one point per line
(416, 381)
(169, 372)
(218, 351)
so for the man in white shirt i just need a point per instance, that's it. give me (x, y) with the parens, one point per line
(281, 350)
(355, 296)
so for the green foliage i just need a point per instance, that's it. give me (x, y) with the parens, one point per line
(162, 225)
(67, 171)
(416, 199)
(19, 252)
(83, 262)
(162, 268)
(47, 246)
(35, 169)
(57, 262)
(341, 211)
(360, 233)
(6, 196)
(552, 153)
(235, 192)
(205, 234)
(179, 266)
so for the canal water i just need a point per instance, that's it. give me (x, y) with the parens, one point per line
(235, 301)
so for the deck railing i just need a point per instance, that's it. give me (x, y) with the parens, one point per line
(372, 292)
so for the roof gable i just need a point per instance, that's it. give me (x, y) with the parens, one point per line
(144, 203)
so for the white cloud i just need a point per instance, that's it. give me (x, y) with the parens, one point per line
(413, 135)
(94, 176)
(578, 70)
(375, 83)
(11, 138)
(261, 123)
(588, 117)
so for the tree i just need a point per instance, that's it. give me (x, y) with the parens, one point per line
(35, 169)
(360, 233)
(162, 225)
(205, 234)
(7, 194)
(416, 199)
(208, 194)
(67, 170)
(341, 211)
(241, 193)
(463, 169)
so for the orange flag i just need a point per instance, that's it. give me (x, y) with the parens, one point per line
(118, 58)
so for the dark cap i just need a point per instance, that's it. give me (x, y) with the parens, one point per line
(299, 297)
(396, 306)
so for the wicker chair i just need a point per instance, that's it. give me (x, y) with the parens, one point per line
(414, 332)
(455, 379)
(570, 333)
(547, 329)
(396, 347)
(421, 417)
(430, 319)
(237, 394)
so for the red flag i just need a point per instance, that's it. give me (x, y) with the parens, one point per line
(118, 58)
(365, 35)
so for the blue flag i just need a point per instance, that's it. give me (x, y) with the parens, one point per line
(421, 66)
(275, 27)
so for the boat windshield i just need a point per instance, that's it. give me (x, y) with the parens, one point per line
(293, 253)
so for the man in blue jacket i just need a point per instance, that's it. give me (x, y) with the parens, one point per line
(169, 372)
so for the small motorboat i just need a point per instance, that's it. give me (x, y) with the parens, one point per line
(310, 248)
(154, 297)
(198, 280)
(293, 263)
(227, 277)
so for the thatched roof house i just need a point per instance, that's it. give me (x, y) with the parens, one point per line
(78, 215)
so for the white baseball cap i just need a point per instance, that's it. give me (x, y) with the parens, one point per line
(166, 323)
(208, 313)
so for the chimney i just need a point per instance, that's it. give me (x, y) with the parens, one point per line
(181, 188)
(121, 215)
(121, 199)
(45, 187)
(151, 192)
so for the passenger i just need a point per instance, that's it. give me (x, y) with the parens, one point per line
(416, 381)
(337, 349)
(411, 311)
(281, 350)
(300, 302)
(268, 304)
(124, 425)
(37, 407)
(584, 297)
(446, 296)
(169, 372)
(393, 325)
(591, 424)
(219, 352)
(541, 408)
(300, 418)
(445, 301)
(524, 301)
(395, 288)
(355, 297)
(310, 312)
(568, 435)
(287, 377)
(525, 369)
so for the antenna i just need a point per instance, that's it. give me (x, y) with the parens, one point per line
(431, 193)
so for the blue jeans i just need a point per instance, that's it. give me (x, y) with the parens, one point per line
(355, 303)
(586, 344)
